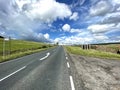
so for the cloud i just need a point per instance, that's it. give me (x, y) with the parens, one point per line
(73, 40)
(115, 1)
(74, 16)
(46, 36)
(75, 30)
(38, 37)
(111, 18)
(47, 11)
(100, 28)
(66, 27)
(77, 38)
(101, 8)
(100, 37)
(84, 37)
(23, 19)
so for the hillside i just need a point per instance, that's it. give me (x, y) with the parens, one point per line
(16, 46)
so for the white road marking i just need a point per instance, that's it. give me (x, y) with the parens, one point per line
(47, 54)
(66, 57)
(12, 73)
(68, 64)
(72, 83)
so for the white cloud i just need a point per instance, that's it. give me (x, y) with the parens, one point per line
(78, 38)
(74, 16)
(118, 26)
(66, 27)
(29, 15)
(21, 3)
(101, 8)
(2, 33)
(115, 1)
(74, 40)
(100, 37)
(75, 30)
(46, 36)
(48, 11)
(100, 28)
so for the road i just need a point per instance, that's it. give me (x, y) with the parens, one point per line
(46, 70)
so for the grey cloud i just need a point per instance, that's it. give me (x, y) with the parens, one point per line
(35, 37)
(100, 8)
(17, 25)
(112, 19)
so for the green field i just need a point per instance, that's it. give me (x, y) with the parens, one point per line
(92, 53)
(17, 48)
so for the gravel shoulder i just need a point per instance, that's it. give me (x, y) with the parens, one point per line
(94, 73)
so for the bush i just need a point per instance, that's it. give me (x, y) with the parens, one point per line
(44, 46)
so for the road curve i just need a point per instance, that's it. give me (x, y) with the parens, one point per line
(46, 70)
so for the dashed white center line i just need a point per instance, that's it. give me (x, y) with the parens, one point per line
(72, 83)
(68, 65)
(45, 56)
(67, 58)
(13, 73)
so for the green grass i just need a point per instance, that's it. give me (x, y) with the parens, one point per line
(20, 45)
(20, 48)
(19, 54)
(92, 53)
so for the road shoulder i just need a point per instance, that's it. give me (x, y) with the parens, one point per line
(95, 74)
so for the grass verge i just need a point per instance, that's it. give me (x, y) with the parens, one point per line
(92, 53)
(20, 54)
(18, 48)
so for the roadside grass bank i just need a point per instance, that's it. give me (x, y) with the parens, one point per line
(19, 54)
(91, 53)
(18, 48)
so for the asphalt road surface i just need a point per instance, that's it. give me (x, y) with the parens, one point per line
(46, 70)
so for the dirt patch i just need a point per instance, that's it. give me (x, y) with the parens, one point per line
(97, 74)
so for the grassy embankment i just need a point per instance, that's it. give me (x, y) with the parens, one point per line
(92, 53)
(107, 47)
(18, 48)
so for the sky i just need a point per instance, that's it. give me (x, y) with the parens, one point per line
(63, 21)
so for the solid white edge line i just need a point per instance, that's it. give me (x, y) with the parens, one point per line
(72, 83)
(12, 73)
(68, 64)
(47, 54)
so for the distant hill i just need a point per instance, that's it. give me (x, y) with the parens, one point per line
(21, 46)
(106, 43)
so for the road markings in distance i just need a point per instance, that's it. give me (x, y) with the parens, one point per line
(47, 54)
(13, 73)
(67, 58)
(72, 83)
(68, 65)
